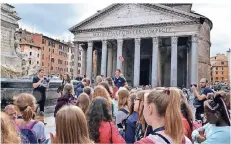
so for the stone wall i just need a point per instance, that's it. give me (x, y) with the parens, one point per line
(13, 87)
(204, 52)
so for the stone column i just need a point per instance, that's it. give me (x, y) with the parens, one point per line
(89, 59)
(136, 78)
(83, 60)
(155, 59)
(114, 61)
(119, 53)
(173, 82)
(76, 55)
(194, 60)
(109, 61)
(104, 58)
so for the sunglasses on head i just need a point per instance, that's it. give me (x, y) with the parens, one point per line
(211, 105)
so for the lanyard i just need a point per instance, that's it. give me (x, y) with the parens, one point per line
(158, 129)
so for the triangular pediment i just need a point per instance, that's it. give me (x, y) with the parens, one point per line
(133, 14)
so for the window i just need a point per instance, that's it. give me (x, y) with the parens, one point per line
(52, 60)
(67, 69)
(222, 78)
(51, 68)
(29, 61)
(222, 68)
(49, 49)
(53, 51)
(211, 79)
(79, 58)
(42, 63)
(67, 63)
(43, 47)
(58, 68)
(80, 53)
(222, 73)
(216, 78)
(216, 72)
(37, 62)
(216, 68)
(79, 65)
(43, 56)
(222, 63)
(30, 53)
(31, 47)
(44, 41)
(38, 55)
(215, 57)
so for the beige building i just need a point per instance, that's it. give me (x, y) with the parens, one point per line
(162, 44)
(219, 68)
(228, 54)
(30, 44)
(32, 64)
(71, 60)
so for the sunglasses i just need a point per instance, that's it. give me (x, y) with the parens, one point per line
(211, 105)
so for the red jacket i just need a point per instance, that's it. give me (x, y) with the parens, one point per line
(187, 128)
(109, 133)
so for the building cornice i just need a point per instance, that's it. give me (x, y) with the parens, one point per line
(139, 26)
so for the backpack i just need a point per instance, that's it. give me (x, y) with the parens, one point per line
(27, 132)
(123, 124)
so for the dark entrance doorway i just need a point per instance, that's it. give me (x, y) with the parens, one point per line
(144, 71)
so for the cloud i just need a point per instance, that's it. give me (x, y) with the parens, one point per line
(54, 20)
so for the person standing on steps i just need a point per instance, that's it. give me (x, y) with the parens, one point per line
(118, 80)
(40, 84)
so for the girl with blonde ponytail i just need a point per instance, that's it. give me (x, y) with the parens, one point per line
(162, 112)
(26, 105)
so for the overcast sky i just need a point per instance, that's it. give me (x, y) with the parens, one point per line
(54, 20)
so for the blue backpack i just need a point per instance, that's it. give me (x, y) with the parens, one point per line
(29, 133)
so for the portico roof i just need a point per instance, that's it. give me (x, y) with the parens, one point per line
(160, 7)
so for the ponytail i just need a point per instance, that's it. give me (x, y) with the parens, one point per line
(28, 113)
(224, 111)
(173, 122)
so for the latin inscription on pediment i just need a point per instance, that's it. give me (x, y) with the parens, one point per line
(132, 32)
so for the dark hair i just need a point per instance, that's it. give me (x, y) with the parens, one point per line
(186, 113)
(87, 81)
(106, 86)
(118, 70)
(40, 70)
(131, 108)
(98, 112)
(219, 105)
(68, 78)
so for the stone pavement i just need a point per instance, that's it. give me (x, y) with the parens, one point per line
(50, 124)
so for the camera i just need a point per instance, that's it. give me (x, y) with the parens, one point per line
(194, 85)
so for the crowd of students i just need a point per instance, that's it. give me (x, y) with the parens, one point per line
(117, 114)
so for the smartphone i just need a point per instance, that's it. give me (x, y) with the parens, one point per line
(194, 85)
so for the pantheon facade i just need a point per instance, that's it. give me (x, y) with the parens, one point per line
(161, 44)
